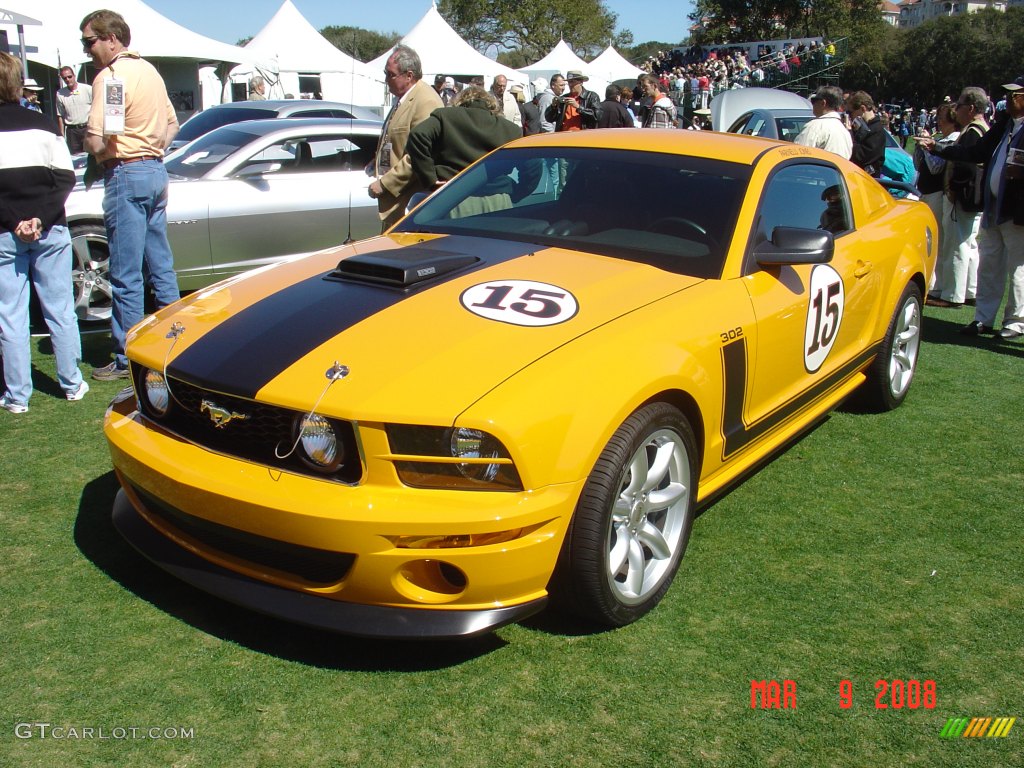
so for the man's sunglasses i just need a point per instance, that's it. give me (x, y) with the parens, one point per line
(89, 42)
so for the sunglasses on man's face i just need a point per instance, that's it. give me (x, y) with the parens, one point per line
(89, 42)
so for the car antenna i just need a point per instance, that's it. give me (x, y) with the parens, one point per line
(351, 124)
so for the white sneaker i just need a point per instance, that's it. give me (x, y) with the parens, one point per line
(79, 393)
(9, 405)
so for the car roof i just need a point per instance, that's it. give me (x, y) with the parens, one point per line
(728, 147)
(290, 106)
(729, 105)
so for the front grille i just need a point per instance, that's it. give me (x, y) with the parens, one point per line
(266, 432)
(317, 566)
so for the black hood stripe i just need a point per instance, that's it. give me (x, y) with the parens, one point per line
(249, 349)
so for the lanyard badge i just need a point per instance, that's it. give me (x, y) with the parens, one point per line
(113, 107)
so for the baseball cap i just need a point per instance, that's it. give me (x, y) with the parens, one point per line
(1016, 85)
(32, 85)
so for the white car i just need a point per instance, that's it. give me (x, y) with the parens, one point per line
(241, 196)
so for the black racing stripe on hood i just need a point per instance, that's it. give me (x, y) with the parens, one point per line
(249, 349)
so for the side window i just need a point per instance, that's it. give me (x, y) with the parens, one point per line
(740, 126)
(806, 196)
(315, 153)
(277, 158)
(756, 126)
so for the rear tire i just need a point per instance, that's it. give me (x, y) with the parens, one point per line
(892, 372)
(633, 520)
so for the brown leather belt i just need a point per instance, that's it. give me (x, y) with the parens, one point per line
(108, 164)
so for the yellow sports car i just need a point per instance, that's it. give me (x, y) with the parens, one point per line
(526, 389)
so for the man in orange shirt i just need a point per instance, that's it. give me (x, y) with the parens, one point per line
(576, 110)
(131, 121)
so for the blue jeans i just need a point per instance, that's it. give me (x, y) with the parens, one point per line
(47, 262)
(135, 214)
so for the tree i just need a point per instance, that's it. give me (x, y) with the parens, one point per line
(531, 28)
(943, 56)
(361, 44)
(640, 53)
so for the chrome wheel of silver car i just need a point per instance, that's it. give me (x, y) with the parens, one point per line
(633, 519)
(90, 272)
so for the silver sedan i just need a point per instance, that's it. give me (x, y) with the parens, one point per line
(242, 196)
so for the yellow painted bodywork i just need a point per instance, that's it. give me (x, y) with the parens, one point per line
(553, 395)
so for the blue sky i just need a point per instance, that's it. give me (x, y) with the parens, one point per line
(231, 20)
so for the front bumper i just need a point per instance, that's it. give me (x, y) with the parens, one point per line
(309, 610)
(331, 555)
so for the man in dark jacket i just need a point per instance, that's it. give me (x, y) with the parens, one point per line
(1001, 239)
(868, 133)
(576, 110)
(454, 137)
(613, 114)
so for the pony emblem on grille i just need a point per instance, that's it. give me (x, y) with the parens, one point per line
(220, 416)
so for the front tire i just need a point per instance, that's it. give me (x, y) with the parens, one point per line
(633, 519)
(892, 372)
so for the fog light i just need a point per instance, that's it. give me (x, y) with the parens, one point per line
(157, 394)
(319, 443)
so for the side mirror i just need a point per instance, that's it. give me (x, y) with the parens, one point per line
(794, 245)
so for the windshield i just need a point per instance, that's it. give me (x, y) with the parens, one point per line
(197, 158)
(206, 121)
(674, 212)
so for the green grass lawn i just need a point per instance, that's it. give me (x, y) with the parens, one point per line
(877, 547)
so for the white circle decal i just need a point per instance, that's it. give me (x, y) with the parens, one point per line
(827, 300)
(520, 302)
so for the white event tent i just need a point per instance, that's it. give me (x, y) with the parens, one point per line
(443, 52)
(294, 57)
(611, 66)
(560, 60)
(176, 51)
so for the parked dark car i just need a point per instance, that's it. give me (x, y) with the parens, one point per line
(238, 111)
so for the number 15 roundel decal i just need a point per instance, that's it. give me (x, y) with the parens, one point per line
(520, 302)
(827, 300)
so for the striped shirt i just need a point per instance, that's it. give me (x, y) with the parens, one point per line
(36, 175)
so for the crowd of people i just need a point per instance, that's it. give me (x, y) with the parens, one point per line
(969, 160)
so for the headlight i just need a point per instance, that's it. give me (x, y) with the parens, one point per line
(158, 396)
(444, 457)
(318, 440)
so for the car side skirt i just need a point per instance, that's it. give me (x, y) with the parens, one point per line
(375, 621)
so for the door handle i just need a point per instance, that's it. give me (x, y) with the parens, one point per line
(863, 268)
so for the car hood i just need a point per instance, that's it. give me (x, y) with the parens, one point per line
(413, 352)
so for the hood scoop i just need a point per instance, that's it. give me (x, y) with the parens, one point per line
(403, 269)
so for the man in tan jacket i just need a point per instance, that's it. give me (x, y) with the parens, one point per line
(394, 181)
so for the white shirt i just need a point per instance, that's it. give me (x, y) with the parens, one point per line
(510, 109)
(827, 132)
